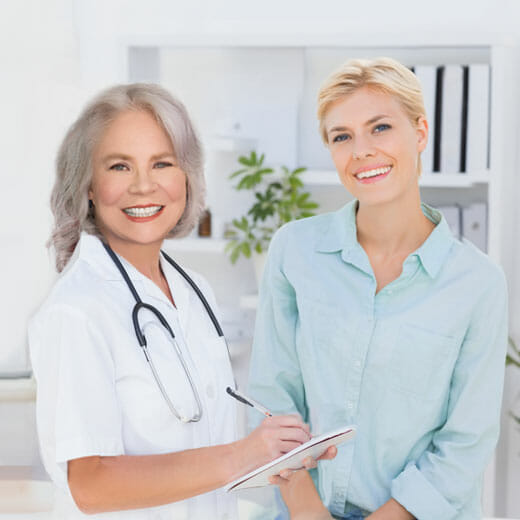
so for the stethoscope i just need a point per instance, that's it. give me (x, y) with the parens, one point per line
(142, 339)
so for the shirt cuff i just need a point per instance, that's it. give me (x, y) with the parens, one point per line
(76, 447)
(417, 495)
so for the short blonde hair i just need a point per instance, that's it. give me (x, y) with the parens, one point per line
(382, 74)
(69, 198)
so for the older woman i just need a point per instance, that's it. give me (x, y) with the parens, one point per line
(376, 315)
(154, 434)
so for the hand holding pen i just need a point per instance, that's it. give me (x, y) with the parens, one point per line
(275, 436)
(279, 434)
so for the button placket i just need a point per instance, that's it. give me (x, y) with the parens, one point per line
(355, 378)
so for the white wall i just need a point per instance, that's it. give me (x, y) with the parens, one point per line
(39, 94)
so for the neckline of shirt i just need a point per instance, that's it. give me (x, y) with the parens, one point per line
(341, 236)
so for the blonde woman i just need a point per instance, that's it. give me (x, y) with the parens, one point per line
(376, 315)
(133, 416)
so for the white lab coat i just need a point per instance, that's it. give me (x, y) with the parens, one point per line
(96, 393)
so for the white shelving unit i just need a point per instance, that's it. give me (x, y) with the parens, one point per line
(197, 245)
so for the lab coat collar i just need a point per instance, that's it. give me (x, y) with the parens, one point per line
(341, 236)
(90, 250)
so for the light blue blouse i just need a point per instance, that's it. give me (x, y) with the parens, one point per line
(417, 367)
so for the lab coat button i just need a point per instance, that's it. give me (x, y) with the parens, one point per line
(350, 405)
(210, 392)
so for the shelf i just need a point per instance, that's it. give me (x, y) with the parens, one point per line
(428, 180)
(18, 389)
(453, 180)
(196, 244)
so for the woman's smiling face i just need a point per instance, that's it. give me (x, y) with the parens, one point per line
(374, 145)
(138, 189)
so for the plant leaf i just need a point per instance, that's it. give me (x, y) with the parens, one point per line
(246, 249)
(246, 161)
(235, 254)
(238, 172)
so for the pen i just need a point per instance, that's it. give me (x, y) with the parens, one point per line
(247, 400)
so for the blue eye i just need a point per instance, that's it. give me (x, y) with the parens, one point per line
(163, 164)
(340, 137)
(381, 127)
(119, 167)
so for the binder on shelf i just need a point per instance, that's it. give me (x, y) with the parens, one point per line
(478, 118)
(474, 224)
(450, 105)
(453, 217)
(427, 76)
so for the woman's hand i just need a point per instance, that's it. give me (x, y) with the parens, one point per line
(328, 454)
(310, 463)
(274, 437)
(300, 495)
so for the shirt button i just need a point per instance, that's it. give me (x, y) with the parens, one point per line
(389, 291)
(350, 405)
(210, 392)
(357, 364)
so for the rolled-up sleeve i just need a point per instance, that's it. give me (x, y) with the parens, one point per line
(77, 408)
(439, 483)
(275, 377)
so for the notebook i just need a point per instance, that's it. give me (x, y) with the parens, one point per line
(293, 459)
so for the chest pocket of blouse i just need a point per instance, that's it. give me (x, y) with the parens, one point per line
(422, 362)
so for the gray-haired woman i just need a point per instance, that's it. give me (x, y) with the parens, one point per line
(118, 433)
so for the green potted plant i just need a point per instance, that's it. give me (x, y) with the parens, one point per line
(279, 197)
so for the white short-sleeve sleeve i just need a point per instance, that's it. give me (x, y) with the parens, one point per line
(77, 408)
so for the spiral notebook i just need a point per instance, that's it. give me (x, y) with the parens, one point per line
(293, 459)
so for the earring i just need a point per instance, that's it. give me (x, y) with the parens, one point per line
(90, 204)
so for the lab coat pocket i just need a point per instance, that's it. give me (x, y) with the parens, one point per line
(422, 362)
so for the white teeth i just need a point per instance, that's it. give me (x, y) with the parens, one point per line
(143, 212)
(373, 173)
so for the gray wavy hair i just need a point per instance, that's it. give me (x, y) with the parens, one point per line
(69, 198)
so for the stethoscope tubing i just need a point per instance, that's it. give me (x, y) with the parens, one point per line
(142, 339)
